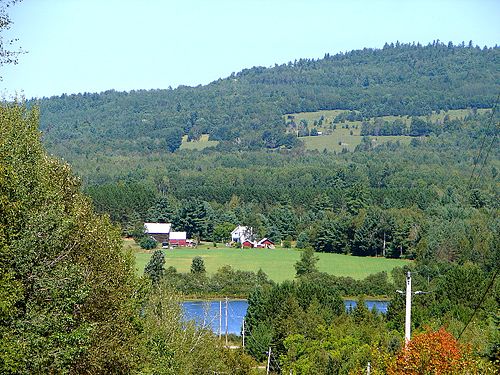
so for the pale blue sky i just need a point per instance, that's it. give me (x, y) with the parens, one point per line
(95, 45)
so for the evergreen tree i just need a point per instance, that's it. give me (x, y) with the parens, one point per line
(198, 266)
(173, 139)
(307, 263)
(194, 218)
(302, 240)
(155, 267)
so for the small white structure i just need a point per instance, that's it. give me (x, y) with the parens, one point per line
(241, 234)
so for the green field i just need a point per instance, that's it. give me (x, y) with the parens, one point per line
(277, 263)
(202, 143)
(329, 115)
(339, 138)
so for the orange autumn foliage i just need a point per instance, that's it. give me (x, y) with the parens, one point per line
(433, 353)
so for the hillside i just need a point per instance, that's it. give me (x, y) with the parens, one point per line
(244, 111)
(414, 166)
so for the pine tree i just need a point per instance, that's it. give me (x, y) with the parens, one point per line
(307, 263)
(156, 266)
(198, 266)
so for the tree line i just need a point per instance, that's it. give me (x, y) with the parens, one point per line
(245, 110)
(392, 200)
(304, 324)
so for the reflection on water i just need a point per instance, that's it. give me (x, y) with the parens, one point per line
(213, 313)
(380, 306)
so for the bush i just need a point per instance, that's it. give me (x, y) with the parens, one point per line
(147, 243)
(198, 265)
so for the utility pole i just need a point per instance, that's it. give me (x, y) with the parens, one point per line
(220, 319)
(383, 247)
(409, 295)
(226, 321)
(243, 331)
(408, 308)
(268, 361)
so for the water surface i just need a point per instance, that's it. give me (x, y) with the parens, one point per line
(213, 313)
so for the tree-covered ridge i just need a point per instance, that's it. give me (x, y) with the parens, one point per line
(246, 108)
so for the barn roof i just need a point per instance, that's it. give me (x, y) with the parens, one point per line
(157, 228)
(265, 240)
(177, 236)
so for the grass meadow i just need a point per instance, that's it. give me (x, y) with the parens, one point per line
(277, 263)
(202, 143)
(339, 138)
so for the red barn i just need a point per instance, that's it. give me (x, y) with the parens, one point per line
(177, 239)
(158, 231)
(265, 243)
(248, 243)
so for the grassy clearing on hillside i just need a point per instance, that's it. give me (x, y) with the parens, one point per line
(331, 141)
(341, 138)
(338, 140)
(310, 117)
(277, 263)
(202, 143)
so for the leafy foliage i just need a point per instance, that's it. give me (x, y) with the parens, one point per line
(225, 282)
(288, 308)
(147, 243)
(60, 312)
(198, 266)
(436, 353)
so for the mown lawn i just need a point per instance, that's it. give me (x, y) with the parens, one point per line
(202, 143)
(277, 263)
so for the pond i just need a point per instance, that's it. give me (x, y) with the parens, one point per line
(213, 313)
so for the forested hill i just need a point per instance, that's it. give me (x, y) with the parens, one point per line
(400, 79)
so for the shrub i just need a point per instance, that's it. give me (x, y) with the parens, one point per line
(147, 243)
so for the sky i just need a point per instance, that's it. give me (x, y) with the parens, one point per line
(76, 46)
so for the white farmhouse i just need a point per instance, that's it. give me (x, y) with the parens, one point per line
(240, 234)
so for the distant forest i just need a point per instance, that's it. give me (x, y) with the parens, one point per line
(245, 110)
(395, 199)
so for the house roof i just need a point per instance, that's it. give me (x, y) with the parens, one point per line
(264, 240)
(157, 228)
(177, 236)
(239, 230)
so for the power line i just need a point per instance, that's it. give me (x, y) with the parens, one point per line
(276, 361)
(487, 154)
(478, 158)
(480, 301)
